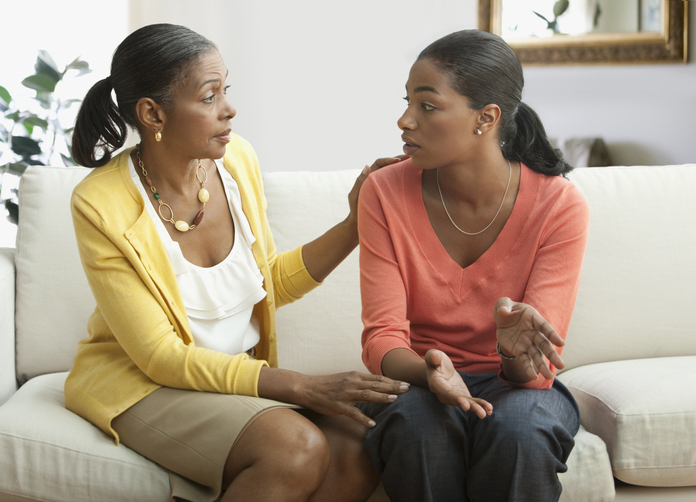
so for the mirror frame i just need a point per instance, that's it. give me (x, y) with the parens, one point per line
(669, 46)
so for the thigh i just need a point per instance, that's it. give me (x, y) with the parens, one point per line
(190, 433)
(279, 438)
(550, 408)
(418, 447)
(517, 451)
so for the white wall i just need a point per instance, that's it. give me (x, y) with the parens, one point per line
(318, 84)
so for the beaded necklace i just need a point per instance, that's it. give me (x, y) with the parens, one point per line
(203, 197)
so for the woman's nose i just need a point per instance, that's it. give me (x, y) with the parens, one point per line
(230, 110)
(405, 121)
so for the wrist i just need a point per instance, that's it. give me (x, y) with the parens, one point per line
(281, 385)
(350, 225)
(504, 356)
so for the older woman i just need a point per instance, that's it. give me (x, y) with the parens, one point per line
(181, 361)
(470, 257)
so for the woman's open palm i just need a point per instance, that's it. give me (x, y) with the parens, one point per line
(524, 333)
(448, 386)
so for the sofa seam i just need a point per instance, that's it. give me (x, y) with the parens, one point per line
(619, 413)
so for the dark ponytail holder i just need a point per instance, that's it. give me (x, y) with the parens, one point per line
(99, 127)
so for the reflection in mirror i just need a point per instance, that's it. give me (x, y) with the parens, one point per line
(544, 32)
(544, 18)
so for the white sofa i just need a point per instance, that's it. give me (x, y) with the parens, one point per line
(631, 350)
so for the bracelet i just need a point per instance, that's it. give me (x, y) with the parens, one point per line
(503, 356)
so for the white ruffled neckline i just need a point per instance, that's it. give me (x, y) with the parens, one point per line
(232, 286)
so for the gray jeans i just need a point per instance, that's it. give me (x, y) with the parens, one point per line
(427, 451)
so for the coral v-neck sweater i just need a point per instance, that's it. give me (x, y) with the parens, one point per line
(414, 296)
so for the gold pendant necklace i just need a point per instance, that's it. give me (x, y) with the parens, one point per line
(203, 197)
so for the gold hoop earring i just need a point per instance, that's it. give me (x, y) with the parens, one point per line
(158, 136)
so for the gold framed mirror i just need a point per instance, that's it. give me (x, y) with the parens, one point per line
(648, 31)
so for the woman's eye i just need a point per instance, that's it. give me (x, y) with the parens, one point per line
(407, 100)
(224, 90)
(427, 107)
(209, 99)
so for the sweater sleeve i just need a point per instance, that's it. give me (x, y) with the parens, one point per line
(382, 286)
(555, 276)
(139, 315)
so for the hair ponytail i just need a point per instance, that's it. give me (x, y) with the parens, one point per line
(527, 142)
(99, 127)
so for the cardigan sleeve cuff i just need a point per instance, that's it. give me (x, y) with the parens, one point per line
(249, 386)
(296, 279)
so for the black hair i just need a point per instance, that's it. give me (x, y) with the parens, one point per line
(151, 62)
(482, 67)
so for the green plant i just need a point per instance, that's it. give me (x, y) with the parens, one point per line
(33, 130)
(558, 9)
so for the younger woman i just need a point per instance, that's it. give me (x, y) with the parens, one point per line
(470, 256)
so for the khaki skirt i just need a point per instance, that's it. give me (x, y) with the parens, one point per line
(190, 434)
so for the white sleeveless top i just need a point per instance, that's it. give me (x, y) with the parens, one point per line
(219, 300)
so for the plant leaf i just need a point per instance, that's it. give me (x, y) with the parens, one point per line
(36, 121)
(542, 17)
(45, 65)
(68, 161)
(560, 7)
(81, 66)
(40, 82)
(25, 147)
(5, 95)
(16, 167)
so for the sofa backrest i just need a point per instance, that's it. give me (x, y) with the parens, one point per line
(638, 281)
(54, 301)
(635, 295)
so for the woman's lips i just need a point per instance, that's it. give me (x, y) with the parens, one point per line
(410, 149)
(225, 136)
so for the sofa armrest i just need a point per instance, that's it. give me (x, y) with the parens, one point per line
(8, 377)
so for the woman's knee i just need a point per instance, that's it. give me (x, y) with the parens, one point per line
(284, 445)
(416, 426)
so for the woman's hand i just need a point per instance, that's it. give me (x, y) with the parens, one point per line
(523, 333)
(337, 394)
(355, 191)
(448, 386)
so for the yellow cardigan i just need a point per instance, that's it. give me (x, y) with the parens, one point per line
(139, 336)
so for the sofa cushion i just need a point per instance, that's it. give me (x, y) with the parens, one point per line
(53, 298)
(319, 334)
(645, 411)
(638, 268)
(8, 377)
(49, 453)
(587, 461)
(52, 454)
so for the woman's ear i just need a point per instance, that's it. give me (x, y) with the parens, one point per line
(488, 117)
(150, 115)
